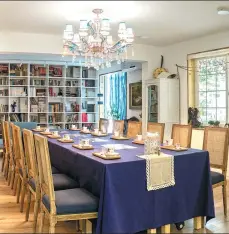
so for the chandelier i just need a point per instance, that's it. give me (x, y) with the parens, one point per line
(94, 42)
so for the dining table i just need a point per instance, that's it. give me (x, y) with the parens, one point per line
(125, 204)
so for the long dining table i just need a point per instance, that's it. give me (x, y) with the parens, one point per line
(125, 204)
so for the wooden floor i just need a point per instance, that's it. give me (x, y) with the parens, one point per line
(12, 221)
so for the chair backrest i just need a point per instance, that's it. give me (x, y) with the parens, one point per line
(182, 135)
(26, 125)
(19, 148)
(31, 160)
(134, 128)
(45, 170)
(118, 126)
(6, 136)
(103, 124)
(157, 127)
(216, 143)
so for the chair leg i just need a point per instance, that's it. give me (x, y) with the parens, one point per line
(15, 184)
(12, 179)
(9, 176)
(36, 210)
(3, 161)
(18, 189)
(225, 199)
(28, 205)
(42, 216)
(52, 224)
(23, 192)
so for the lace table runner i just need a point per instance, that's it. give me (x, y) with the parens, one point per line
(159, 171)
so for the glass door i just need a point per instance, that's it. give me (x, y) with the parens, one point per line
(153, 103)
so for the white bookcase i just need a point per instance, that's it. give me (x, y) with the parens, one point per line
(51, 94)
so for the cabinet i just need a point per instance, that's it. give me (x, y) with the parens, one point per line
(162, 104)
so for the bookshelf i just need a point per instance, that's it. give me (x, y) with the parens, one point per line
(53, 95)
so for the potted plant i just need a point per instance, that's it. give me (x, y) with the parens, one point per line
(216, 123)
(211, 123)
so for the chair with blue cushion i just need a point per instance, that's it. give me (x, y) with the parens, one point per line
(26, 125)
(62, 205)
(216, 143)
(60, 181)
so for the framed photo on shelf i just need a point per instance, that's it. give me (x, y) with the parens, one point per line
(135, 96)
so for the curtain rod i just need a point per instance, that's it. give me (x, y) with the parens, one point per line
(110, 73)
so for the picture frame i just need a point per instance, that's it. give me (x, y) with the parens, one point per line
(135, 96)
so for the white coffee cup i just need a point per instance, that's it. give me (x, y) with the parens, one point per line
(73, 126)
(111, 150)
(139, 137)
(96, 130)
(116, 133)
(66, 137)
(46, 130)
(85, 129)
(99, 132)
(38, 127)
(170, 142)
(55, 133)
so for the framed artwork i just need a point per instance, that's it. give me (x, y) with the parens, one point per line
(135, 96)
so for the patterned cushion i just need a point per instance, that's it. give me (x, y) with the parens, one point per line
(216, 177)
(60, 181)
(54, 170)
(73, 201)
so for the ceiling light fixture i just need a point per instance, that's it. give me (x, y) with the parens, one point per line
(94, 42)
(223, 11)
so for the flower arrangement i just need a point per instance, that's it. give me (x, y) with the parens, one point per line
(214, 123)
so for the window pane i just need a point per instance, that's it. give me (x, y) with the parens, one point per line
(221, 81)
(221, 115)
(202, 83)
(211, 114)
(201, 67)
(203, 115)
(211, 99)
(202, 99)
(211, 82)
(221, 99)
(211, 65)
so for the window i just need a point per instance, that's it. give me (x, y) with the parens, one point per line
(211, 88)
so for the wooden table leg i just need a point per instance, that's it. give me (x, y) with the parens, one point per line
(198, 222)
(165, 228)
(150, 231)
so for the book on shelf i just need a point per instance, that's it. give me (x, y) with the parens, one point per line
(40, 92)
(73, 72)
(72, 107)
(88, 83)
(72, 118)
(37, 70)
(4, 108)
(18, 91)
(4, 92)
(88, 73)
(4, 70)
(18, 69)
(3, 80)
(55, 71)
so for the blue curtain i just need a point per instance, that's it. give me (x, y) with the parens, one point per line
(118, 92)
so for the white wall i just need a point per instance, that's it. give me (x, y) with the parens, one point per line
(132, 77)
(177, 54)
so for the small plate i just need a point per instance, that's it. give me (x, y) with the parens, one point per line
(83, 147)
(46, 133)
(173, 148)
(99, 135)
(138, 142)
(119, 138)
(88, 132)
(54, 137)
(107, 156)
(39, 130)
(65, 140)
(74, 129)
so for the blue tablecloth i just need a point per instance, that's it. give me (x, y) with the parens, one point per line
(125, 204)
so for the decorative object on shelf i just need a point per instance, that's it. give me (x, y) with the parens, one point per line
(152, 144)
(135, 96)
(159, 70)
(193, 116)
(13, 106)
(213, 123)
(94, 42)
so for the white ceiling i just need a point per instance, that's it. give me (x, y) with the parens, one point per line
(163, 22)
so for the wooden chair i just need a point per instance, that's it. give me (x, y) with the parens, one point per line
(182, 134)
(157, 127)
(134, 128)
(216, 143)
(60, 181)
(103, 124)
(21, 172)
(118, 126)
(63, 205)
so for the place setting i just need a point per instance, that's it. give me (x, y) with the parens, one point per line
(74, 128)
(138, 140)
(46, 132)
(119, 136)
(107, 153)
(38, 129)
(54, 135)
(168, 145)
(84, 144)
(66, 139)
(98, 133)
(85, 130)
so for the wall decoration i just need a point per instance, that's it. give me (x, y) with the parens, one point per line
(135, 96)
